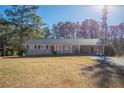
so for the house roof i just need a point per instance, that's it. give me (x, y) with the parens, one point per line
(64, 41)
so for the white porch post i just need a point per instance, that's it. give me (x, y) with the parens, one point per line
(79, 48)
(49, 47)
(70, 48)
(55, 48)
(61, 49)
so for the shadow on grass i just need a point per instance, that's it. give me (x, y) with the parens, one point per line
(105, 74)
(41, 56)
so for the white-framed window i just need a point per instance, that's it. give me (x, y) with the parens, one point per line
(41, 46)
(58, 47)
(31, 46)
(38, 46)
(46, 47)
(27, 46)
(66, 47)
(35, 46)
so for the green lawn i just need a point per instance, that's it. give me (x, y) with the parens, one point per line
(68, 71)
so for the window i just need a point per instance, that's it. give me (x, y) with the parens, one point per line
(58, 47)
(27, 46)
(41, 46)
(35, 47)
(66, 47)
(38, 46)
(46, 46)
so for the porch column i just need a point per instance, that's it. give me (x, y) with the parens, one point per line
(79, 48)
(55, 48)
(70, 48)
(61, 49)
(49, 47)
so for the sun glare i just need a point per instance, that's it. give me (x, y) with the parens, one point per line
(100, 7)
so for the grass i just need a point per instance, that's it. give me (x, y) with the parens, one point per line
(76, 71)
(43, 72)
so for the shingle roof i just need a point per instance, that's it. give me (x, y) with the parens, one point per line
(63, 41)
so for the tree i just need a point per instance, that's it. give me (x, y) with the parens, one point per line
(55, 31)
(47, 32)
(68, 30)
(58, 30)
(89, 29)
(25, 22)
(117, 37)
(121, 28)
(5, 35)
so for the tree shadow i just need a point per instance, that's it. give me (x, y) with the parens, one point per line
(42, 56)
(105, 74)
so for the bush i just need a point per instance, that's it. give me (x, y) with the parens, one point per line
(21, 52)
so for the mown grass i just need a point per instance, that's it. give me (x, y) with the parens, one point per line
(44, 72)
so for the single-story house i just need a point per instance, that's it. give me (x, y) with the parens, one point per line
(60, 46)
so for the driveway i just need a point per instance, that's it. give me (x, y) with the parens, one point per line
(106, 74)
(117, 60)
(114, 60)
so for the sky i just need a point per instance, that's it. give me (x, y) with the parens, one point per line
(51, 14)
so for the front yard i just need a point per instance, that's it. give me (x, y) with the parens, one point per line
(75, 71)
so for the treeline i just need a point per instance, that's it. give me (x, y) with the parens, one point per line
(87, 29)
(18, 24)
(68, 30)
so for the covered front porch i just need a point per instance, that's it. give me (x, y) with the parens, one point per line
(72, 49)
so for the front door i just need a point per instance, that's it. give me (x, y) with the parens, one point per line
(52, 48)
(75, 49)
(92, 50)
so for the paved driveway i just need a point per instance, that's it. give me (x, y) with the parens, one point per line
(114, 60)
(117, 60)
(109, 73)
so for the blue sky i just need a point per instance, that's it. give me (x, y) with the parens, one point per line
(51, 14)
